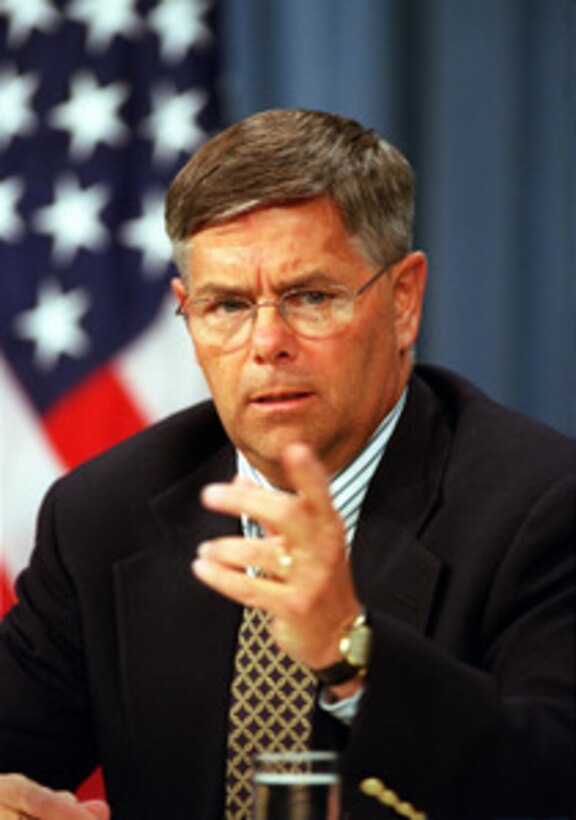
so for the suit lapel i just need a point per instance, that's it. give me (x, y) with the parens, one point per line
(394, 572)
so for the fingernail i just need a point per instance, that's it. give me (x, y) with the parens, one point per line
(298, 450)
(212, 493)
(203, 549)
(198, 566)
(67, 796)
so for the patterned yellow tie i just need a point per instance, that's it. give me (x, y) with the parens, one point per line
(271, 703)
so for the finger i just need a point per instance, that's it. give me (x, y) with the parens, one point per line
(230, 552)
(57, 806)
(21, 797)
(318, 522)
(269, 555)
(260, 592)
(267, 507)
(66, 795)
(86, 808)
(97, 808)
(308, 479)
(243, 481)
(310, 526)
(308, 476)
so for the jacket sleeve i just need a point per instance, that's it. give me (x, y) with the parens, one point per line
(45, 729)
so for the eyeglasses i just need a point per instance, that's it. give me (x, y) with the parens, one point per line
(226, 321)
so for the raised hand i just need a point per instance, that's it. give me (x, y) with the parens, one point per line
(305, 583)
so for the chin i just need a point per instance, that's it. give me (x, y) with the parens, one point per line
(267, 457)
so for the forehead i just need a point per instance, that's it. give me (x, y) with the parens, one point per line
(300, 233)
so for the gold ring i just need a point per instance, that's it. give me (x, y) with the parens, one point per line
(285, 561)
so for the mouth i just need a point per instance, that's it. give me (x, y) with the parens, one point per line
(281, 397)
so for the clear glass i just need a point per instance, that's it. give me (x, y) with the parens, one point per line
(296, 786)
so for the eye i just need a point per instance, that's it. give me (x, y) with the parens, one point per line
(311, 298)
(223, 307)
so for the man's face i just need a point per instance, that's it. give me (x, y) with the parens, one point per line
(279, 387)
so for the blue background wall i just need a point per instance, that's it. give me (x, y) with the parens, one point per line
(480, 95)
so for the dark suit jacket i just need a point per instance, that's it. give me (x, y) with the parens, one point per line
(464, 557)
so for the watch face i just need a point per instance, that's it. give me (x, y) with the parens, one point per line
(355, 646)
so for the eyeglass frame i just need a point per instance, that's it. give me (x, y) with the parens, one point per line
(279, 303)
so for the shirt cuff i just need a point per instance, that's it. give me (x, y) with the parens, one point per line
(344, 710)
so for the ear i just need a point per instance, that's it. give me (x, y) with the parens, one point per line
(178, 289)
(409, 282)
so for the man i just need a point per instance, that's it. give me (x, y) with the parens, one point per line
(410, 542)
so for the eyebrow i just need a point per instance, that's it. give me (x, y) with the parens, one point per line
(315, 278)
(211, 289)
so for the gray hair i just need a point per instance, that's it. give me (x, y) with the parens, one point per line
(284, 156)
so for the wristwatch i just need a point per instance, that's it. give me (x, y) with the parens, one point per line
(355, 650)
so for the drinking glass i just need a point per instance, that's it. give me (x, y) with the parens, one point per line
(296, 786)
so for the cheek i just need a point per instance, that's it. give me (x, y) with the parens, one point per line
(223, 378)
(208, 364)
(370, 352)
(219, 376)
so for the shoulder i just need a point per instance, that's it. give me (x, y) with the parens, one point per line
(491, 439)
(505, 483)
(152, 459)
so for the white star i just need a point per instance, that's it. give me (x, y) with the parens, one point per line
(179, 25)
(147, 234)
(26, 15)
(106, 20)
(53, 325)
(90, 115)
(11, 226)
(16, 117)
(172, 124)
(72, 219)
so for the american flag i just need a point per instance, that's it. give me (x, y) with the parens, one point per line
(101, 101)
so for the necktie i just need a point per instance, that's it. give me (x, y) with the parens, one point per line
(271, 703)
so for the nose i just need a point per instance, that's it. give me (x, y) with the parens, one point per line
(271, 336)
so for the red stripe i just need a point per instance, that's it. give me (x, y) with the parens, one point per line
(93, 787)
(92, 417)
(7, 595)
